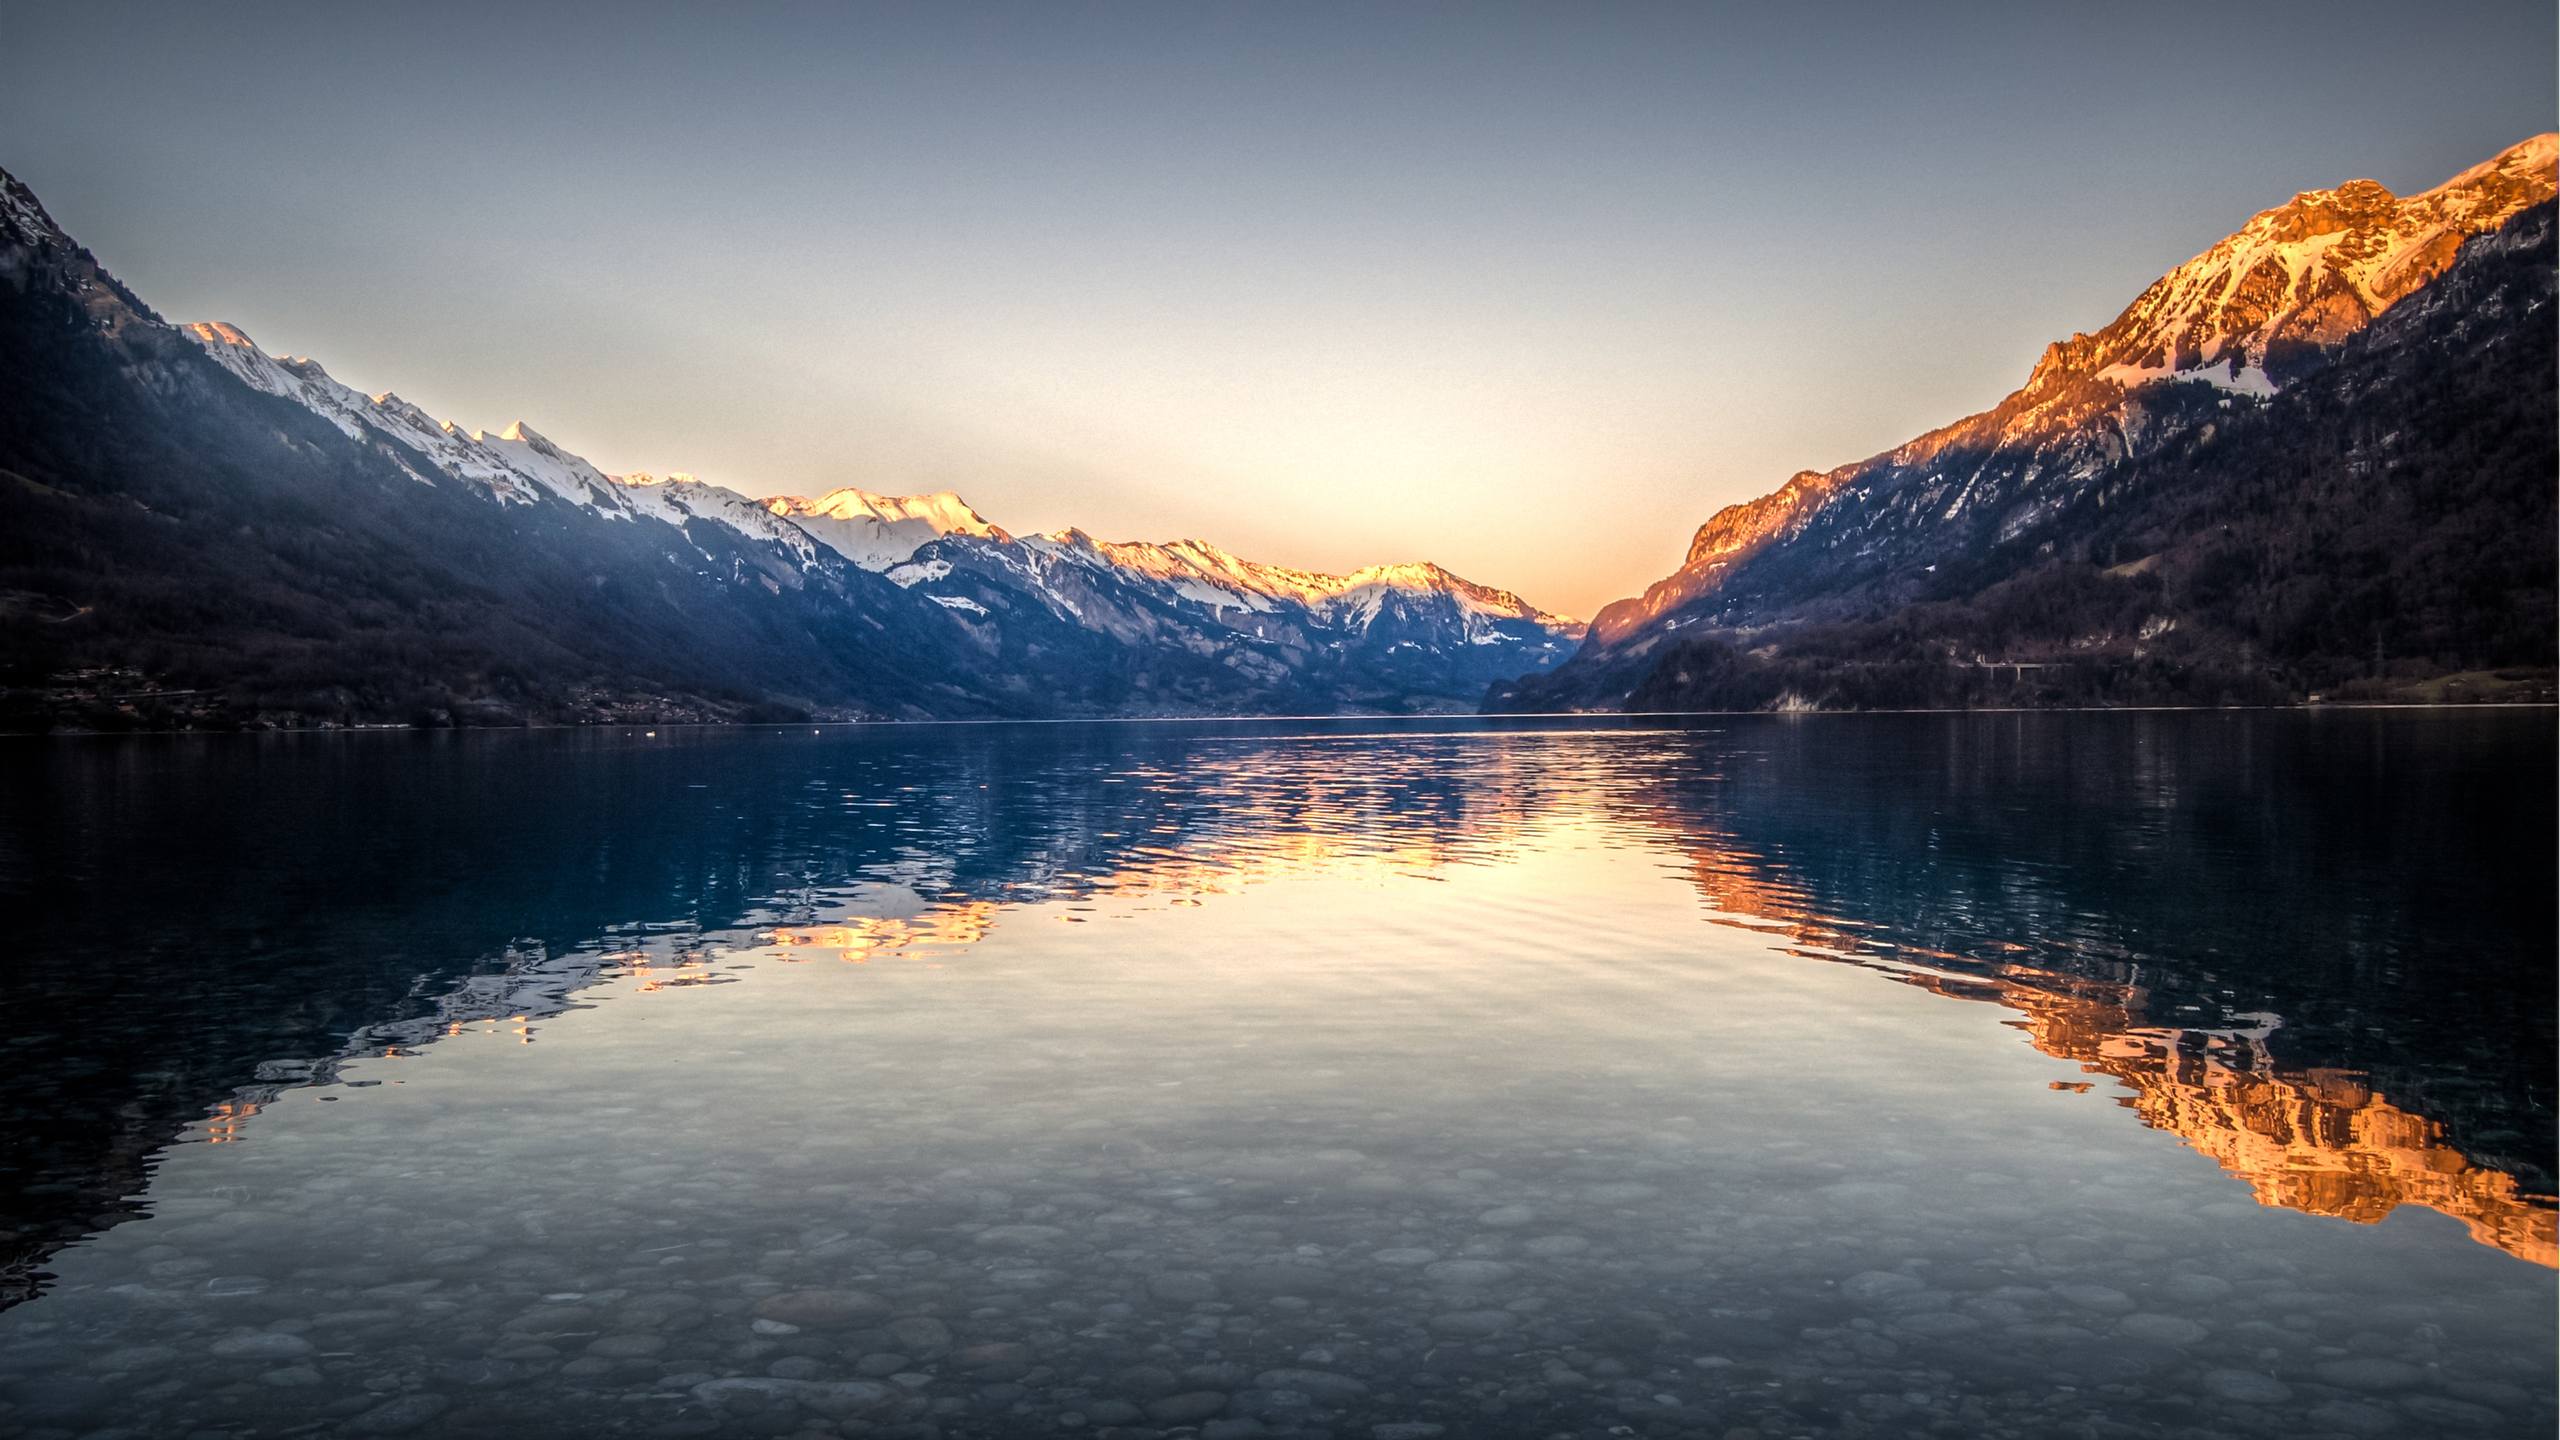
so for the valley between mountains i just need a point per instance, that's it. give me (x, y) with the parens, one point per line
(2314, 462)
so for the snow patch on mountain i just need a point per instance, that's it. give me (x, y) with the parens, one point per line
(907, 577)
(2226, 375)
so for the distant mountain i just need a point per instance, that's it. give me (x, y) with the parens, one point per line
(1376, 638)
(1308, 642)
(2315, 459)
(1068, 624)
(196, 532)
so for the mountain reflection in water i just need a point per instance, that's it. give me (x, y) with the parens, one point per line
(2313, 1138)
(2320, 1140)
(2316, 948)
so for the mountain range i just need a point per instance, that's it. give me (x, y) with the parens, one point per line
(2316, 460)
(196, 532)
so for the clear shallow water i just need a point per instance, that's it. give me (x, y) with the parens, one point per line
(2009, 1074)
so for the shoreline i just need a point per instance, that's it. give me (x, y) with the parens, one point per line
(1273, 719)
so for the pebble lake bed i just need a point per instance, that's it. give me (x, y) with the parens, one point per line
(1869, 1076)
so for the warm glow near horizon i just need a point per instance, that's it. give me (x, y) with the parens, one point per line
(1526, 294)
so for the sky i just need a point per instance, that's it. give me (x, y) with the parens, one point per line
(1529, 291)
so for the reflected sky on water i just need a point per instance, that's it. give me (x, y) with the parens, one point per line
(1843, 1075)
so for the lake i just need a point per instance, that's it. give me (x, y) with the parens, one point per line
(2025, 1075)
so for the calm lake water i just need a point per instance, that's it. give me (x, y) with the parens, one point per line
(1996, 1075)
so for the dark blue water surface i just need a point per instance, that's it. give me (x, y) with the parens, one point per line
(2123, 1074)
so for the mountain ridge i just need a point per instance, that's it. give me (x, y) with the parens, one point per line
(194, 532)
(699, 601)
(2218, 336)
(875, 530)
(2137, 331)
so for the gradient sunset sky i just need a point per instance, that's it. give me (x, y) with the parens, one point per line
(1529, 291)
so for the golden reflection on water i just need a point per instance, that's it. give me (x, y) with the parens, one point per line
(2315, 1140)
(858, 938)
(2319, 1141)
(222, 1127)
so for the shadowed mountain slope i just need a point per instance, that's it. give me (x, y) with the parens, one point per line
(196, 533)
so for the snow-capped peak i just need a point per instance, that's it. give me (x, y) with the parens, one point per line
(225, 333)
(946, 512)
(529, 454)
(1411, 575)
(1206, 574)
(2299, 279)
(296, 379)
(878, 531)
(1421, 577)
